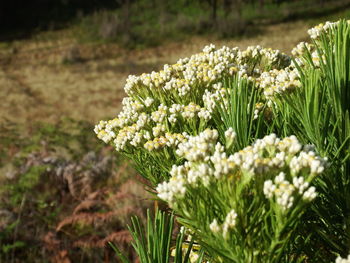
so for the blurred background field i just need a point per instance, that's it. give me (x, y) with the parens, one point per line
(63, 65)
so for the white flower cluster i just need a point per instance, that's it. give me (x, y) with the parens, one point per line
(279, 82)
(206, 162)
(299, 55)
(322, 28)
(178, 79)
(302, 48)
(198, 148)
(343, 260)
(211, 98)
(230, 136)
(271, 153)
(214, 226)
(133, 128)
(169, 140)
(205, 159)
(283, 191)
(272, 58)
(151, 131)
(229, 223)
(169, 191)
(258, 108)
(309, 161)
(183, 96)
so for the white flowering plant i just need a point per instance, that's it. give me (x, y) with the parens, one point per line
(318, 113)
(249, 148)
(164, 108)
(243, 206)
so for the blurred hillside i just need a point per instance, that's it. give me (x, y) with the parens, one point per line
(45, 78)
(149, 22)
(71, 57)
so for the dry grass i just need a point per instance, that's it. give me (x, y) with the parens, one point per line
(43, 80)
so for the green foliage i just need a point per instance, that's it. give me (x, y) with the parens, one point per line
(152, 242)
(8, 247)
(247, 195)
(241, 92)
(26, 183)
(319, 114)
(5, 235)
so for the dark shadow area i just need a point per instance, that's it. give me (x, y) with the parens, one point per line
(315, 9)
(144, 23)
(20, 18)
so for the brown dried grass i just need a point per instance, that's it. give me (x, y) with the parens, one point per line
(38, 85)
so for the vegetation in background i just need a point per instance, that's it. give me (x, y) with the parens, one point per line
(63, 196)
(147, 23)
(140, 23)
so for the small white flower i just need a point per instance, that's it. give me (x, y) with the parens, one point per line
(269, 188)
(149, 101)
(215, 227)
(230, 222)
(310, 194)
(230, 136)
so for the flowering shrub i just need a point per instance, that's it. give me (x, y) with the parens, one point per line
(213, 134)
(253, 196)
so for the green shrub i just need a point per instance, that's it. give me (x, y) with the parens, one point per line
(206, 133)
